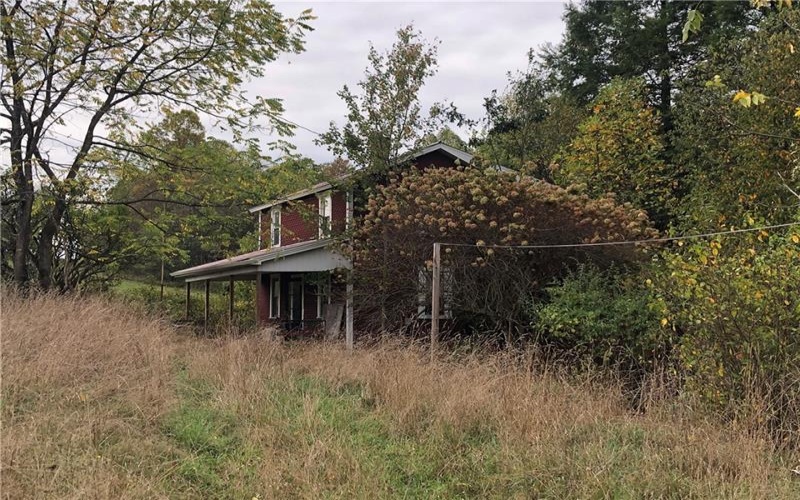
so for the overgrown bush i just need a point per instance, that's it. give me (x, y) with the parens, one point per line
(604, 313)
(478, 208)
(735, 306)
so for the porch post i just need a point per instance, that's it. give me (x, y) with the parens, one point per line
(348, 327)
(262, 299)
(188, 298)
(206, 309)
(230, 298)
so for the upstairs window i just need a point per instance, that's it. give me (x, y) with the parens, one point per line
(325, 214)
(275, 226)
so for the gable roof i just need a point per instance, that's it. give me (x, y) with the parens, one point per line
(454, 153)
(450, 151)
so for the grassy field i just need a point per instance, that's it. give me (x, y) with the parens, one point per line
(99, 401)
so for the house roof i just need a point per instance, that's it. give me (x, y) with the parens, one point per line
(250, 260)
(450, 151)
(454, 153)
(316, 188)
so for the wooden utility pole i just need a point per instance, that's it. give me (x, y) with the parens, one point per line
(230, 298)
(206, 310)
(435, 292)
(348, 320)
(188, 298)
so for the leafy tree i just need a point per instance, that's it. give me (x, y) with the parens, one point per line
(448, 136)
(734, 306)
(385, 119)
(528, 125)
(642, 39)
(195, 193)
(103, 62)
(742, 161)
(480, 207)
(619, 149)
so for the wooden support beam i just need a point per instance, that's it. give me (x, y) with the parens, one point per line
(230, 298)
(348, 322)
(206, 310)
(435, 292)
(188, 298)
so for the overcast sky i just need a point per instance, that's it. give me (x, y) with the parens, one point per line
(479, 44)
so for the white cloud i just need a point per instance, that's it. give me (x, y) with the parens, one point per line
(479, 44)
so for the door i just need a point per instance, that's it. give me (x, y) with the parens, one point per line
(295, 300)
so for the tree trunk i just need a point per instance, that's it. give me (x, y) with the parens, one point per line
(22, 220)
(44, 251)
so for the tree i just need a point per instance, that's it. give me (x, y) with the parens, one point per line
(741, 162)
(105, 62)
(529, 124)
(618, 149)
(481, 207)
(385, 119)
(204, 185)
(642, 39)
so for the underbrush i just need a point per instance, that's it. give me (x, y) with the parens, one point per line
(102, 402)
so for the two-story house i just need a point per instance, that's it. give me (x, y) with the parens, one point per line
(297, 258)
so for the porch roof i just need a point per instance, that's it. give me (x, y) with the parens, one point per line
(307, 256)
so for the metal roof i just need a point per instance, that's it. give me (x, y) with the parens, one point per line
(450, 151)
(251, 260)
(316, 188)
(455, 153)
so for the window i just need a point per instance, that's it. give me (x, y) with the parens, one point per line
(275, 227)
(275, 296)
(325, 214)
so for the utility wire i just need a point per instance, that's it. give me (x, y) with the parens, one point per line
(287, 121)
(631, 242)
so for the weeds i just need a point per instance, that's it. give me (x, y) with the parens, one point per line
(102, 402)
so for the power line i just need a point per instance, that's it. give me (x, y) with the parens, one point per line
(630, 242)
(295, 124)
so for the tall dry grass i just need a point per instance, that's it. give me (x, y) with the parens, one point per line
(88, 386)
(573, 436)
(84, 385)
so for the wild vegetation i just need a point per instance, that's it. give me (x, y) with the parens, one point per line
(100, 400)
(667, 370)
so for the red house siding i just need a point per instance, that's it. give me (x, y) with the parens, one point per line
(262, 299)
(300, 220)
(435, 159)
(309, 301)
(339, 211)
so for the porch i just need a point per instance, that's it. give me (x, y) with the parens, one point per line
(303, 287)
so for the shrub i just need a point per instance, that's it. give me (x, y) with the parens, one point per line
(479, 208)
(603, 313)
(736, 308)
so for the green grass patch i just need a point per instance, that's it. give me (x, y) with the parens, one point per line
(363, 455)
(215, 461)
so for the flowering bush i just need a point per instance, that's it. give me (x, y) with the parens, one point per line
(479, 208)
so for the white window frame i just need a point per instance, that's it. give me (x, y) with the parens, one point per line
(348, 211)
(325, 214)
(275, 226)
(274, 298)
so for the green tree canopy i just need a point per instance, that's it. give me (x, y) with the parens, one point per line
(101, 64)
(619, 149)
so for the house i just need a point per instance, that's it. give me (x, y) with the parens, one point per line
(297, 267)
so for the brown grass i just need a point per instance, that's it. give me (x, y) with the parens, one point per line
(88, 385)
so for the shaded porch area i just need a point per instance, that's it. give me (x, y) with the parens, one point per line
(300, 289)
